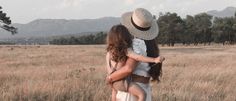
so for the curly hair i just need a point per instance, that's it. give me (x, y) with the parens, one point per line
(118, 41)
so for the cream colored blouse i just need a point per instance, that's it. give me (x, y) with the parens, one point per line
(139, 47)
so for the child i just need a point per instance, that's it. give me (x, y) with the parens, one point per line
(119, 48)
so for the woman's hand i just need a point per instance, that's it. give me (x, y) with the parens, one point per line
(109, 81)
(159, 59)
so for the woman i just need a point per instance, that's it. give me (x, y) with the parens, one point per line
(119, 48)
(143, 27)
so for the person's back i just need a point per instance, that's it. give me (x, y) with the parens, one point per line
(118, 42)
(123, 85)
(119, 49)
(142, 25)
(113, 66)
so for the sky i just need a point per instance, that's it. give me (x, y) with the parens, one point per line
(24, 11)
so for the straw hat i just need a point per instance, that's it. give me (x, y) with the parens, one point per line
(141, 24)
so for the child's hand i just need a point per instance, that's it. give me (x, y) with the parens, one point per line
(159, 59)
(162, 58)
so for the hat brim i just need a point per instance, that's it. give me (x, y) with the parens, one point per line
(145, 35)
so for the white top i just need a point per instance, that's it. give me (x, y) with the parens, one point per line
(139, 47)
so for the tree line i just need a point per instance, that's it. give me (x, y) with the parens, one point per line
(98, 38)
(199, 29)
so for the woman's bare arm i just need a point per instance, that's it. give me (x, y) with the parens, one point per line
(126, 70)
(107, 63)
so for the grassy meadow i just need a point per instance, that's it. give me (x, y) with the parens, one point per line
(76, 73)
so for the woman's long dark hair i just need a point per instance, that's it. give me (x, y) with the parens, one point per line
(153, 51)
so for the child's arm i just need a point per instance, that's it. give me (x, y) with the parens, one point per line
(141, 58)
(114, 92)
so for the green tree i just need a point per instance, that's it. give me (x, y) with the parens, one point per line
(202, 25)
(100, 38)
(188, 35)
(170, 25)
(224, 30)
(73, 41)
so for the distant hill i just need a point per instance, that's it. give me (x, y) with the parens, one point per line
(56, 27)
(227, 12)
(46, 29)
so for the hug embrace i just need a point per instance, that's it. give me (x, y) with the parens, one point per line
(133, 58)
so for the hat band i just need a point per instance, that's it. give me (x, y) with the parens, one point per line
(139, 28)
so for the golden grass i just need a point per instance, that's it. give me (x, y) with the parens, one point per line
(76, 73)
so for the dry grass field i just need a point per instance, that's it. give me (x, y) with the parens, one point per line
(76, 73)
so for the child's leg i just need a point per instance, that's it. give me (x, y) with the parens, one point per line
(114, 92)
(137, 91)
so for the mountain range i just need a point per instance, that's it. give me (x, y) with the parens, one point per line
(227, 12)
(57, 27)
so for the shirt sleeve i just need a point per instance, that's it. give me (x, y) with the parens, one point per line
(136, 47)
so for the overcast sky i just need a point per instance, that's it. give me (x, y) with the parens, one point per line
(24, 11)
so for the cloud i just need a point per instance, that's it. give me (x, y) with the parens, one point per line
(129, 1)
(80, 9)
(70, 3)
